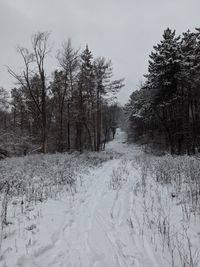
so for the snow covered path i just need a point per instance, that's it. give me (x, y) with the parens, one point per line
(93, 228)
(119, 217)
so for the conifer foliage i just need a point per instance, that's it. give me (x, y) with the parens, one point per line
(165, 110)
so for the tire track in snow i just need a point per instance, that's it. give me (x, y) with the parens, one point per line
(76, 238)
(95, 231)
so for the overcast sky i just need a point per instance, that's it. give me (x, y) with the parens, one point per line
(121, 30)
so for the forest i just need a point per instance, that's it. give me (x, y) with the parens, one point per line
(164, 113)
(72, 110)
(85, 181)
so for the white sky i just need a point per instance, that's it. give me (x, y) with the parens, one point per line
(121, 30)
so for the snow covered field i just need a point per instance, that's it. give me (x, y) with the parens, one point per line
(117, 208)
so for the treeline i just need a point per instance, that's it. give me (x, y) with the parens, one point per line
(165, 111)
(71, 110)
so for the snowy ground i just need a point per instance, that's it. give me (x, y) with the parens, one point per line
(112, 220)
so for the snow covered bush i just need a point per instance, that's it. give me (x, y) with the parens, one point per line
(25, 181)
(183, 173)
(167, 193)
(119, 176)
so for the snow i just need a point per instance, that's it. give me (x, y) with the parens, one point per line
(109, 221)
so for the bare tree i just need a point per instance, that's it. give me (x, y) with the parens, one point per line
(34, 64)
(68, 59)
(104, 86)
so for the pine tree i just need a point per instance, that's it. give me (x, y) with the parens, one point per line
(164, 67)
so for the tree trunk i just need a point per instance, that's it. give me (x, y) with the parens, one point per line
(98, 119)
(68, 128)
(60, 135)
(44, 117)
(89, 136)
